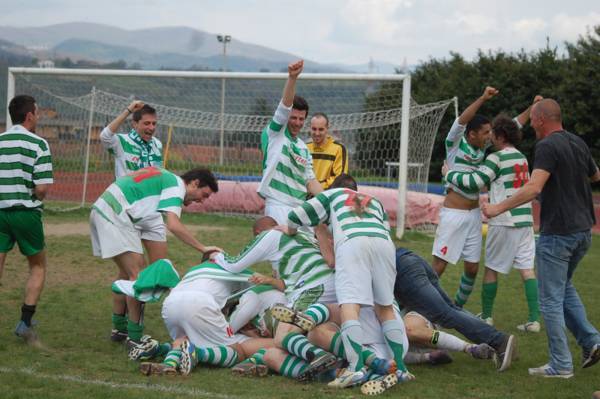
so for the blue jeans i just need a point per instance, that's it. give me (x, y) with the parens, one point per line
(417, 288)
(557, 258)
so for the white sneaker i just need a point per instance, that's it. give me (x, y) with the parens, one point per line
(348, 378)
(530, 326)
(547, 371)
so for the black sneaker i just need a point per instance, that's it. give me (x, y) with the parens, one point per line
(505, 354)
(118, 335)
(319, 365)
(591, 356)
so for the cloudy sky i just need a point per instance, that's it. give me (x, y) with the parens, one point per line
(347, 31)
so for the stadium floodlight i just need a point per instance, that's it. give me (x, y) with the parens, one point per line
(223, 39)
(373, 115)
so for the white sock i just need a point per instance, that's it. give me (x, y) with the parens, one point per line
(447, 341)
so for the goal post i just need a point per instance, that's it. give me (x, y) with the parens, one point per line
(214, 119)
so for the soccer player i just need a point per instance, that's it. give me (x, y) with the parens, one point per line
(288, 175)
(330, 158)
(365, 269)
(458, 234)
(417, 289)
(115, 235)
(510, 242)
(133, 151)
(25, 175)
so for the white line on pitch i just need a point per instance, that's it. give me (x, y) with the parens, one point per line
(116, 385)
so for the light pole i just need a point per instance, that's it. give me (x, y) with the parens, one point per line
(223, 39)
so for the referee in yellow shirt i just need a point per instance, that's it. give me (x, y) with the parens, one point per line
(330, 158)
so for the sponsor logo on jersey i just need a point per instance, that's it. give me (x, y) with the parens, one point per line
(444, 250)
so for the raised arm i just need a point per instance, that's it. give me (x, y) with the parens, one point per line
(472, 109)
(289, 90)
(523, 117)
(113, 127)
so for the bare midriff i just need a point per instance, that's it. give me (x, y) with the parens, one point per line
(456, 201)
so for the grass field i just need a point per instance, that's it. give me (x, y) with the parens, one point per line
(79, 360)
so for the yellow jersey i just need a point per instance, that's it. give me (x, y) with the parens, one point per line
(329, 161)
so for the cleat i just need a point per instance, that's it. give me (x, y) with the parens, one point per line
(250, 369)
(530, 326)
(347, 378)
(287, 315)
(591, 356)
(547, 371)
(146, 349)
(118, 336)
(437, 357)
(28, 334)
(481, 351)
(405, 376)
(189, 358)
(319, 365)
(148, 368)
(383, 366)
(504, 357)
(379, 385)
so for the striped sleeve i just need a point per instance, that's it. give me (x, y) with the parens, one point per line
(42, 168)
(108, 139)
(171, 198)
(479, 178)
(264, 247)
(311, 213)
(456, 132)
(280, 119)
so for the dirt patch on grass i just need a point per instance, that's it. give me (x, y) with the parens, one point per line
(83, 228)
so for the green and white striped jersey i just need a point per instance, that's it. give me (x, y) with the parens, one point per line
(296, 260)
(135, 196)
(287, 163)
(25, 162)
(504, 172)
(462, 156)
(131, 151)
(335, 207)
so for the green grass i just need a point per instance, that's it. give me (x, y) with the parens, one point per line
(79, 360)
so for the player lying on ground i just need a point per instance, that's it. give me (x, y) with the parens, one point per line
(510, 242)
(115, 234)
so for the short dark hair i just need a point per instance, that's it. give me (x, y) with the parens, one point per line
(19, 107)
(475, 123)
(504, 126)
(321, 115)
(300, 104)
(344, 181)
(204, 177)
(145, 110)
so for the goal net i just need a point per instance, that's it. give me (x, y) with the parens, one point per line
(214, 120)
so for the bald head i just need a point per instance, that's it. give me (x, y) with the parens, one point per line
(548, 109)
(262, 224)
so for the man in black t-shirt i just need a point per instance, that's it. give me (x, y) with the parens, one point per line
(562, 172)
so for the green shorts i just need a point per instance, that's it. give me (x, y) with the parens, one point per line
(23, 226)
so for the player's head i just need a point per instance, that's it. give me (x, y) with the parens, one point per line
(199, 185)
(546, 117)
(319, 128)
(478, 131)
(144, 122)
(298, 115)
(505, 131)
(262, 224)
(344, 181)
(24, 111)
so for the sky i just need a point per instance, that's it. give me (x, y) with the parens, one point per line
(339, 31)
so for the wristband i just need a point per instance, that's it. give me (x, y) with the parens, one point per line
(128, 110)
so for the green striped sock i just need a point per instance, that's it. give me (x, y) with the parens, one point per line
(164, 349)
(119, 322)
(292, 366)
(318, 312)
(298, 345)
(464, 290)
(221, 356)
(531, 293)
(394, 334)
(488, 295)
(257, 358)
(337, 348)
(134, 331)
(352, 339)
(173, 358)
(369, 356)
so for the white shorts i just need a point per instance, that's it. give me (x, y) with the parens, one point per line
(365, 271)
(152, 228)
(458, 235)
(277, 210)
(373, 336)
(110, 239)
(323, 293)
(507, 247)
(197, 316)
